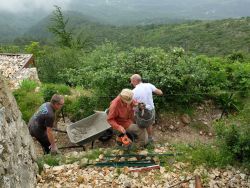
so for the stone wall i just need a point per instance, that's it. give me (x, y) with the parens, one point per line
(17, 154)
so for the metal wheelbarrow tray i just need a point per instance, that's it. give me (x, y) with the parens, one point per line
(88, 129)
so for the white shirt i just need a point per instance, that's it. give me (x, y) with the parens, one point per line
(143, 92)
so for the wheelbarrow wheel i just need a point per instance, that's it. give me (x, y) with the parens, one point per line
(106, 136)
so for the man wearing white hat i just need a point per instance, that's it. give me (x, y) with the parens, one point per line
(121, 116)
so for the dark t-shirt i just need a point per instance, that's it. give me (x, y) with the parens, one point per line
(42, 119)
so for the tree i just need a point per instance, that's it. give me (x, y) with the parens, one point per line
(58, 28)
(35, 49)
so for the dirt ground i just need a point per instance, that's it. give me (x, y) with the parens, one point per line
(184, 128)
(170, 127)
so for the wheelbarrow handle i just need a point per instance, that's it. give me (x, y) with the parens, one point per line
(58, 130)
(68, 147)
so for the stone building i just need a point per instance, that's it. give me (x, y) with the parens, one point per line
(17, 67)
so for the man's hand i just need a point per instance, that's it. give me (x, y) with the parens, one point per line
(121, 129)
(54, 150)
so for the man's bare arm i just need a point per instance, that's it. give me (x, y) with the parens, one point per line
(51, 138)
(158, 92)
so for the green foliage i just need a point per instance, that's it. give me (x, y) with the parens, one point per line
(244, 117)
(28, 85)
(218, 37)
(58, 28)
(211, 156)
(183, 79)
(35, 49)
(204, 154)
(233, 135)
(27, 99)
(235, 139)
(10, 49)
(73, 77)
(55, 61)
(55, 160)
(236, 56)
(49, 90)
(49, 160)
(93, 154)
(80, 107)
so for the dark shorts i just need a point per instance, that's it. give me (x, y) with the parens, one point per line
(41, 137)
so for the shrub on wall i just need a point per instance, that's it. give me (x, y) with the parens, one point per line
(48, 90)
(28, 99)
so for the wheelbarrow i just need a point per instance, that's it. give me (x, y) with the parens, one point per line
(87, 130)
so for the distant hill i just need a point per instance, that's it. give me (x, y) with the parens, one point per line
(77, 22)
(84, 27)
(121, 13)
(209, 37)
(216, 37)
(13, 25)
(137, 11)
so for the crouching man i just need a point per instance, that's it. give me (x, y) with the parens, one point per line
(121, 116)
(41, 124)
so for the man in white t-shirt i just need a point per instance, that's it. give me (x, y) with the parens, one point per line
(143, 92)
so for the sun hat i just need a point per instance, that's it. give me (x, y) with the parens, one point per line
(127, 95)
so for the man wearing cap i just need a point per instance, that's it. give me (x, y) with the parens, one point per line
(121, 116)
(143, 93)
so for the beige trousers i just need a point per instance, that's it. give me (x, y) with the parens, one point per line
(141, 133)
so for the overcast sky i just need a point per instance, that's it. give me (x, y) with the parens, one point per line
(224, 8)
(25, 5)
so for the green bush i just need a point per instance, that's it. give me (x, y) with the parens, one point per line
(49, 90)
(80, 107)
(49, 160)
(211, 156)
(54, 60)
(228, 102)
(183, 79)
(234, 137)
(27, 99)
(204, 154)
(236, 56)
(28, 85)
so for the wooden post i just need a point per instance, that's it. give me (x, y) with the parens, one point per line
(147, 168)
(198, 182)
